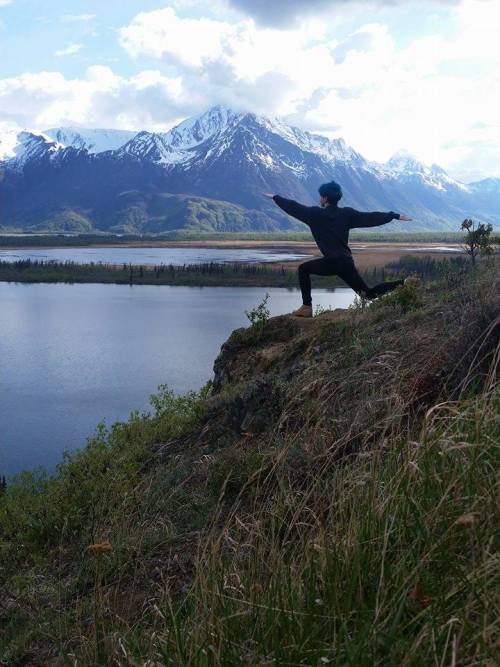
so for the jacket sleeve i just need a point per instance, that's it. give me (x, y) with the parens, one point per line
(290, 206)
(358, 219)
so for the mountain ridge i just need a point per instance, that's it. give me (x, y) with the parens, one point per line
(226, 155)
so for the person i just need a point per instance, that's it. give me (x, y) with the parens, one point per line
(330, 225)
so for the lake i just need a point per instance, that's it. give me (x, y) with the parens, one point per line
(72, 355)
(154, 256)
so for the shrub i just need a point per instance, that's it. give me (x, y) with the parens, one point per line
(260, 314)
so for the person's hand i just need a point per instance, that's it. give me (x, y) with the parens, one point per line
(405, 218)
(268, 194)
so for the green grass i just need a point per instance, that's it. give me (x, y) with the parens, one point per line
(330, 500)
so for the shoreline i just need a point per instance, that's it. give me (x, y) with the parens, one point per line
(367, 255)
(234, 274)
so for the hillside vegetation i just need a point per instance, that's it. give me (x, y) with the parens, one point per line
(138, 213)
(329, 498)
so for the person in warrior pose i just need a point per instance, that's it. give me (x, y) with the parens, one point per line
(330, 225)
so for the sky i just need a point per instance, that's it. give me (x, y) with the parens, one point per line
(385, 75)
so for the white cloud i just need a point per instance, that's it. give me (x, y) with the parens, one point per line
(78, 18)
(4, 3)
(99, 99)
(203, 45)
(162, 33)
(69, 50)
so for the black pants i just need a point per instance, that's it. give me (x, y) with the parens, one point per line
(345, 269)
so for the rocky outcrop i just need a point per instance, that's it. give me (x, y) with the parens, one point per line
(272, 348)
(258, 366)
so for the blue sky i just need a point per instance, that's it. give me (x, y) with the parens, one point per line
(383, 74)
(32, 31)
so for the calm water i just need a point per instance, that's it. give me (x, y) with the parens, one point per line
(177, 256)
(72, 355)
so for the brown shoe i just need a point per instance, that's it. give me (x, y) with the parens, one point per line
(303, 311)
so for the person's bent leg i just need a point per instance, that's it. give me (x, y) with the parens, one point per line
(305, 283)
(321, 266)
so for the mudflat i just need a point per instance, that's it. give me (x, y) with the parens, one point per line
(367, 254)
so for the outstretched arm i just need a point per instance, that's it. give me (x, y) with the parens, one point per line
(291, 207)
(358, 219)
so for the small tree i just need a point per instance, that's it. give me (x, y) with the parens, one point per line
(259, 315)
(477, 239)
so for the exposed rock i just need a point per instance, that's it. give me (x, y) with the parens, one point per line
(260, 348)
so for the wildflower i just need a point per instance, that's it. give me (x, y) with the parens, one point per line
(100, 548)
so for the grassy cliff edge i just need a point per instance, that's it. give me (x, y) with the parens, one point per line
(329, 498)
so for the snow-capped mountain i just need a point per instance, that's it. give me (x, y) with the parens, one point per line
(182, 143)
(17, 149)
(94, 141)
(197, 130)
(405, 167)
(487, 185)
(122, 180)
(402, 162)
(218, 125)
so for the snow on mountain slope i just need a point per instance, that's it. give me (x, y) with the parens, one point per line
(486, 185)
(153, 147)
(403, 161)
(405, 167)
(26, 147)
(92, 140)
(331, 149)
(196, 130)
(209, 135)
(183, 142)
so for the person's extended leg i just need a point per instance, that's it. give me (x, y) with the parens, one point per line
(383, 288)
(321, 266)
(349, 274)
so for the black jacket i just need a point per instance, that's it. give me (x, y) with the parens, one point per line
(330, 225)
